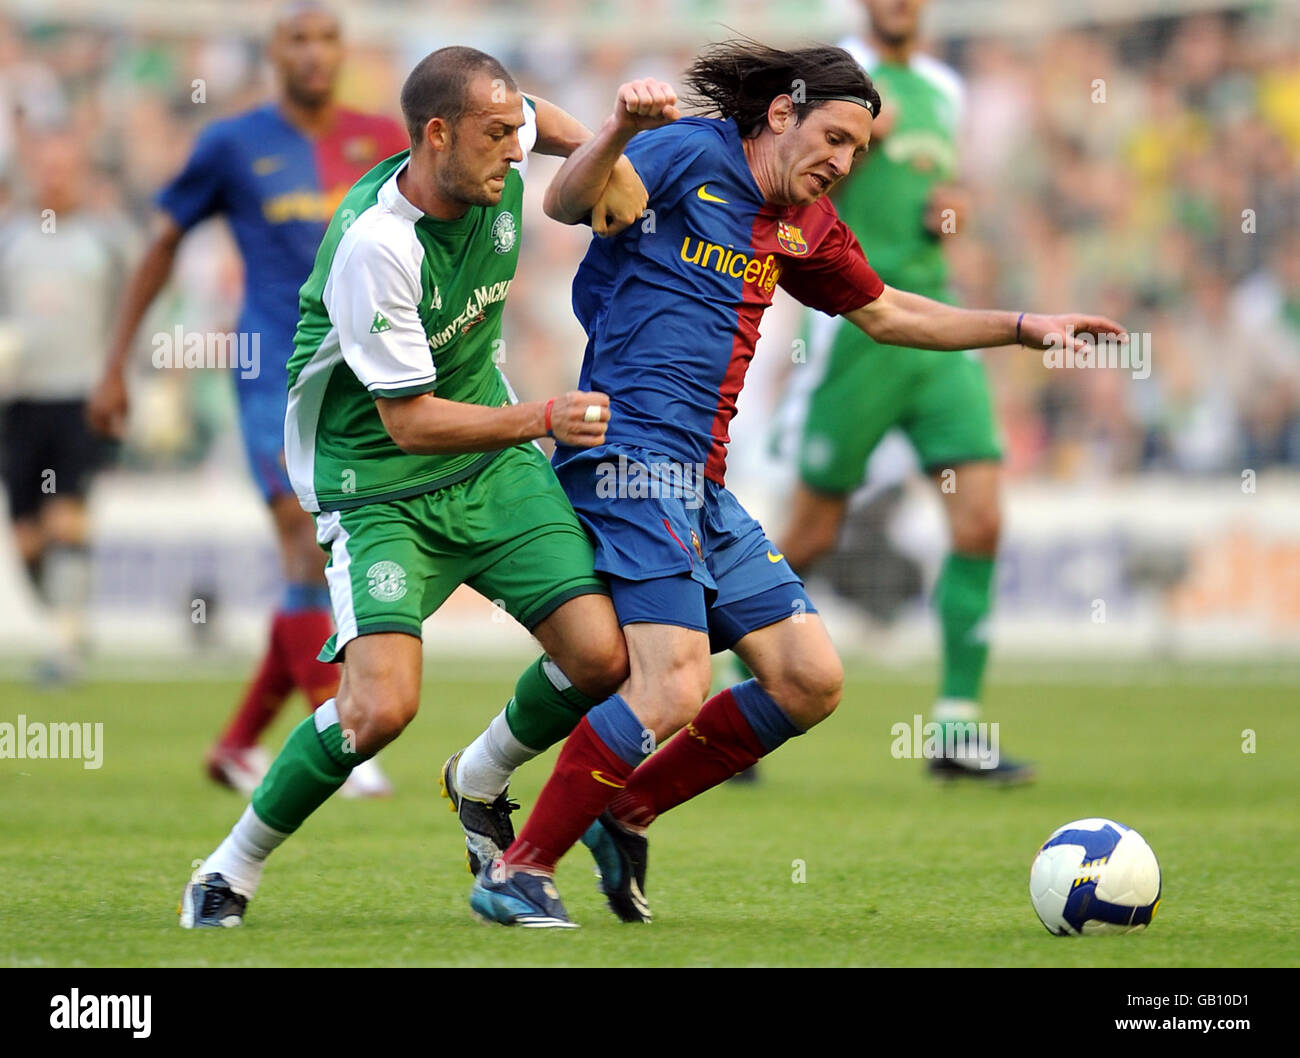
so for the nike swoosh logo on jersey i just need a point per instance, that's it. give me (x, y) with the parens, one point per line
(601, 777)
(703, 193)
(267, 165)
(775, 558)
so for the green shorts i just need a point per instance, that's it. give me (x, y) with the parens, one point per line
(508, 532)
(940, 400)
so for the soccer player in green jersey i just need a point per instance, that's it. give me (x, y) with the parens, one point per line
(404, 440)
(895, 202)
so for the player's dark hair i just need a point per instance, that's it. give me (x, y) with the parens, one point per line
(739, 79)
(438, 87)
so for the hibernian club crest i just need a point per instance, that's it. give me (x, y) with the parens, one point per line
(387, 581)
(504, 232)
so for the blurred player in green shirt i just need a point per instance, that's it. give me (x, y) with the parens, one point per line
(900, 201)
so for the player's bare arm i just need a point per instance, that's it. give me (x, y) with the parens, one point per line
(624, 198)
(559, 133)
(578, 186)
(622, 203)
(107, 408)
(899, 317)
(429, 425)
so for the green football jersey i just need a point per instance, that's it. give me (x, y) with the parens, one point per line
(398, 304)
(883, 199)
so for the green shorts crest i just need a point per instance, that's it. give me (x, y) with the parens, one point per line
(508, 532)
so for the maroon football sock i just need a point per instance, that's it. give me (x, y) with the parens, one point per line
(261, 702)
(586, 776)
(300, 635)
(710, 750)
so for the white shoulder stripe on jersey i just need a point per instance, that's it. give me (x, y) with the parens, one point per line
(389, 220)
(527, 138)
(943, 77)
(402, 383)
(860, 50)
(940, 74)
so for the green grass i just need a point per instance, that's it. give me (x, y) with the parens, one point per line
(899, 872)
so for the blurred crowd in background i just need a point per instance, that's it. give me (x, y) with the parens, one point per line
(1148, 170)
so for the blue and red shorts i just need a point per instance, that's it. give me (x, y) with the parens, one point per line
(677, 548)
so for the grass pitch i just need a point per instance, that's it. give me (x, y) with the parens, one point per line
(842, 855)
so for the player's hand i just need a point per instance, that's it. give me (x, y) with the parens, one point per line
(107, 407)
(573, 422)
(622, 203)
(645, 104)
(1067, 331)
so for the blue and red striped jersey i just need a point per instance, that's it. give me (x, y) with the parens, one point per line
(278, 188)
(671, 306)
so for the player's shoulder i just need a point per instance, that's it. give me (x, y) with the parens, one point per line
(814, 220)
(255, 120)
(224, 136)
(946, 79)
(940, 74)
(700, 125)
(684, 150)
(861, 50)
(361, 122)
(377, 228)
(698, 132)
(363, 118)
(380, 226)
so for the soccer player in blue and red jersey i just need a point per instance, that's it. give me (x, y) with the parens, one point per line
(276, 173)
(737, 206)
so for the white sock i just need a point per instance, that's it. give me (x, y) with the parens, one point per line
(958, 711)
(955, 710)
(485, 767)
(241, 857)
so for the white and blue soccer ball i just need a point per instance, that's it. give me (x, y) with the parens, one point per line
(1095, 876)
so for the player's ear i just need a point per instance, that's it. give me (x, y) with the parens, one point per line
(780, 113)
(437, 134)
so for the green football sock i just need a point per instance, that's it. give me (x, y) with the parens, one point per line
(316, 761)
(546, 706)
(964, 599)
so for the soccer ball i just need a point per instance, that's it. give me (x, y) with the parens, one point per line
(1095, 876)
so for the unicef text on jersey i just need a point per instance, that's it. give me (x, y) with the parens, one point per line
(178, 348)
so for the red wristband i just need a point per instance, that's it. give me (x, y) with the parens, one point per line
(549, 405)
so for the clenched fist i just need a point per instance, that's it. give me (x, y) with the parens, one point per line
(579, 419)
(645, 104)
